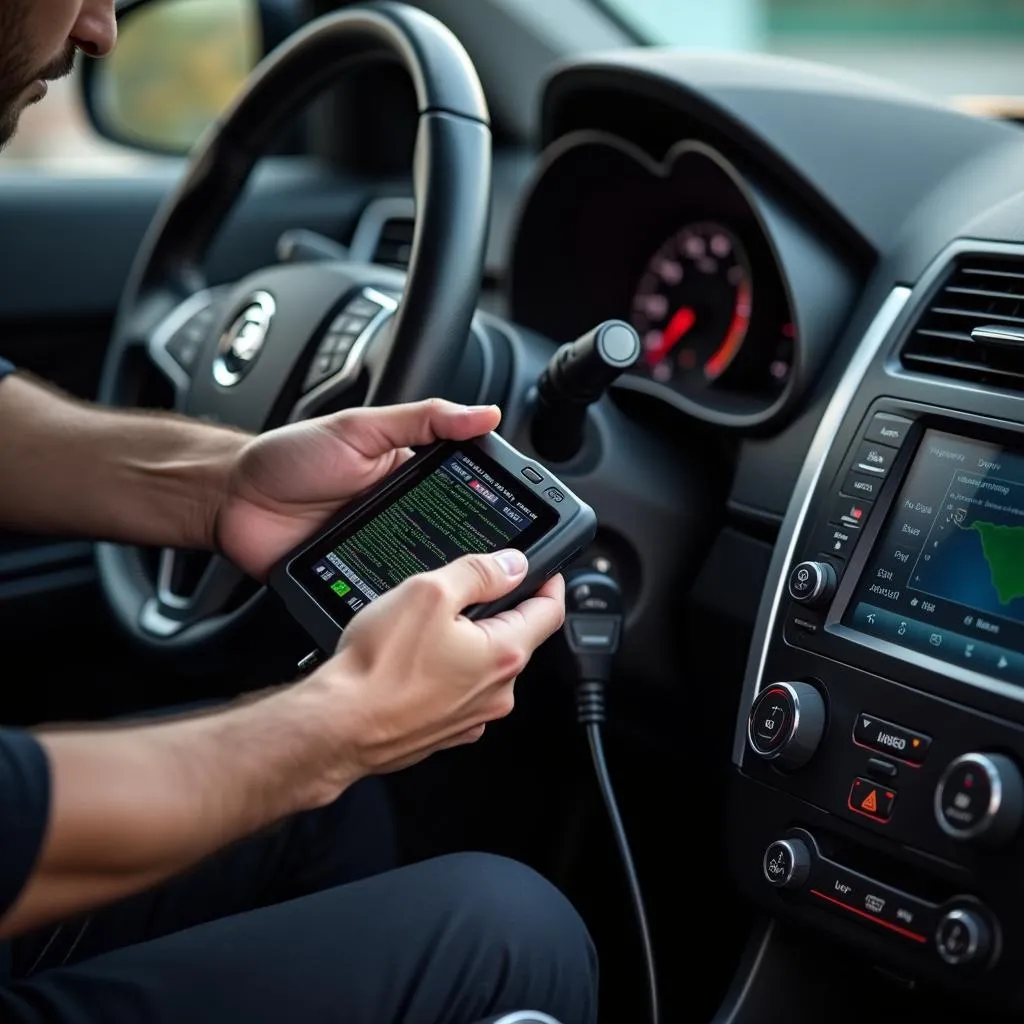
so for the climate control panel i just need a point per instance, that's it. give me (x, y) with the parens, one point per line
(960, 932)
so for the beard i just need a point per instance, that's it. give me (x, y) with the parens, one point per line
(17, 71)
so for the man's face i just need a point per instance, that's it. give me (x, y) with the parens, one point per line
(38, 43)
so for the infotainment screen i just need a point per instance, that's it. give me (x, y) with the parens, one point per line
(946, 577)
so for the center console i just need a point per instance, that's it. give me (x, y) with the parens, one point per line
(879, 785)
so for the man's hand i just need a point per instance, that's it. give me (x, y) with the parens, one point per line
(287, 482)
(132, 806)
(413, 675)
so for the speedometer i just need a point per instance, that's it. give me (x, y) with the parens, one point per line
(692, 306)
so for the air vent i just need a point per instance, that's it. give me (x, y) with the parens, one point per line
(394, 243)
(973, 328)
(384, 233)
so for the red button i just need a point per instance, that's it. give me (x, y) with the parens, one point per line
(871, 799)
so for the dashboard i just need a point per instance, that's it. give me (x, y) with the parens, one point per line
(847, 311)
(678, 248)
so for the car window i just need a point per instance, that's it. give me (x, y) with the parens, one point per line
(947, 48)
(178, 64)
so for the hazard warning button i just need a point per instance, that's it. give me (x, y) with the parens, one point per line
(871, 799)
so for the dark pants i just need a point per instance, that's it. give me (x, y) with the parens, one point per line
(294, 926)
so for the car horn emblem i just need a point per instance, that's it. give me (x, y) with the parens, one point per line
(242, 342)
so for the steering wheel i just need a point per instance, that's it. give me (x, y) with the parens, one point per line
(290, 340)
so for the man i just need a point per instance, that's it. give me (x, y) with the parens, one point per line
(118, 904)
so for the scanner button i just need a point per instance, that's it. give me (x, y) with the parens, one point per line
(532, 475)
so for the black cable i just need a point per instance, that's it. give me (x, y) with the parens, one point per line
(590, 713)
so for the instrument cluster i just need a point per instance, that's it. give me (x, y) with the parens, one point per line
(681, 251)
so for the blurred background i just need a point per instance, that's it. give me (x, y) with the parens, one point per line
(946, 48)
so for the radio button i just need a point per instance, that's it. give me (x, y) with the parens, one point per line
(870, 798)
(875, 459)
(888, 429)
(860, 485)
(889, 738)
(850, 512)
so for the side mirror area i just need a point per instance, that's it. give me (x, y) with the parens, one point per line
(177, 66)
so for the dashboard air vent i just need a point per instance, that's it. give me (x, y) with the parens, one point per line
(394, 243)
(973, 328)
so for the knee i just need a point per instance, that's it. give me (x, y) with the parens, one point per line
(523, 926)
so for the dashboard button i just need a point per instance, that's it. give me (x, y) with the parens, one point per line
(786, 863)
(850, 512)
(860, 485)
(963, 937)
(772, 720)
(869, 798)
(838, 540)
(980, 797)
(874, 459)
(812, 583)
(785, 724)
(889, 738)
(882, 769)
(888, 429)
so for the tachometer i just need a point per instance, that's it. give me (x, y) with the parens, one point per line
(692, 305)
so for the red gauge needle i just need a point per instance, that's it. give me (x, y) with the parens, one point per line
(682, 320)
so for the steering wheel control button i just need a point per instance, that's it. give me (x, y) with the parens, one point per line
(850, 512)
(963, 937)
(786, 723)
(532, 475)
(363, 307)
(786, 863)
(871, 799)
(980, 797)
(186, 343)
(812, 583)
(861, 485)
(885, 428)
(891, 739)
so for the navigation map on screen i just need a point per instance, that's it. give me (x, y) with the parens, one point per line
(947, 575)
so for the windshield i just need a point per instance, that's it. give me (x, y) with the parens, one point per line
(947, 48)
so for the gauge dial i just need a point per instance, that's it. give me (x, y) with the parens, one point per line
(692, 305)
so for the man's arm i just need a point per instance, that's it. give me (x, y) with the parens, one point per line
(131, 807)
(73, 468)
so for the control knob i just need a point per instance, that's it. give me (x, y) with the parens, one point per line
(980, 797)
(963, 937)
(812, 583)
(786, 723)
(786, 863)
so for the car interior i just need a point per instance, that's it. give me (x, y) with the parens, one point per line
(808, 478)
